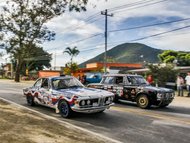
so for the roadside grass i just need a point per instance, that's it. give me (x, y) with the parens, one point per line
(20, 126)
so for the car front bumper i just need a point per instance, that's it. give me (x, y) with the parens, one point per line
(164, 101)
(91, 109)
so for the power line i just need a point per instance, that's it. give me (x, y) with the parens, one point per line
(139, 39)
(98, 13)
(85, 20)
(129, 5)
(144, 5)
(92, 36)
(124, 29)
(82, 25)
(150, 25)
(111, 43)
(72, 28)
(77, 41)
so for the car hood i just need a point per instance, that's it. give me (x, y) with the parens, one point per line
(158, 89)
(84, 92)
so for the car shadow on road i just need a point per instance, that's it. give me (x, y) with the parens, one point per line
(168, 109)
(51, 111)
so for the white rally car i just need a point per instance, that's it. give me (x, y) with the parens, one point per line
(67, 95)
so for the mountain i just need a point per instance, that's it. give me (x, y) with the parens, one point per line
(128, 53)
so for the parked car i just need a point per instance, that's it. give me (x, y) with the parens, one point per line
(93, 78)
(136, 89)
(67, 95)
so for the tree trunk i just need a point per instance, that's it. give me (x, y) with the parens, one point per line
(17, 74)
(17, 77)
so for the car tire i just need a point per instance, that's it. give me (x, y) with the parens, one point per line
(65, 109)
(30, 100)
(143, 101)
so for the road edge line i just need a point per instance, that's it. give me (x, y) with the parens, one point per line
(60, 121)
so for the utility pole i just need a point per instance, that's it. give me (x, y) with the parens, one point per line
(106, 36)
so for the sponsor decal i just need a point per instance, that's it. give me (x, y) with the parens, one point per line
(133, 91)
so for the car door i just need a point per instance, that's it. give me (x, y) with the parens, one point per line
(108, 82)
(45, 92)
(130, 88)
(114, 84)
(118, 86)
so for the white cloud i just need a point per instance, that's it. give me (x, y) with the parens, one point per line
(72, 26)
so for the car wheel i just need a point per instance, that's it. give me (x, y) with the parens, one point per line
(30, 100)
(65, 109)
(143, 102)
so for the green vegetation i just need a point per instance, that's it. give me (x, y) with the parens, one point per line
(161, 75)
(71, 67)
(175, 57)
(22, 24)
(73, 52)
(129, 53)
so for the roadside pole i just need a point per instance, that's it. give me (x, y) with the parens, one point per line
(106, 28)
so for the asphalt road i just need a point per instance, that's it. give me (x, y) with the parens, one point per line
(124, 122)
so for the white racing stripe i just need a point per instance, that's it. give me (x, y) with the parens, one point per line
(106, 139)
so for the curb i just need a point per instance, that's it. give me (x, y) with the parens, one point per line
(104, 138)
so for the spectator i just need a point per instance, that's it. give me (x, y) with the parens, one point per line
(83, 79)
(150, 79)
(187, 78)
(180, 83)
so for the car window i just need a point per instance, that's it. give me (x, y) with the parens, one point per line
(131, 80)
(119, 80)
(38, 83)
(45, 83)
(108, 80)
(136, 80)
(59, 83)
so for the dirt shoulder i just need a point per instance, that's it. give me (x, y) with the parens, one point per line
(22, 126)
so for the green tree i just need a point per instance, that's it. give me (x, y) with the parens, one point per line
(36, 59)
(72, 52)
(22, 25)
(70, 68)
(161, 75)
(169, 56)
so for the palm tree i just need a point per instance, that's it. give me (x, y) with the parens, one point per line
(72, 52)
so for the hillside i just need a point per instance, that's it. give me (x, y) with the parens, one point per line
(128, 53)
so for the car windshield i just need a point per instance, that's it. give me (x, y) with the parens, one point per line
(136, 80)
(64, 83)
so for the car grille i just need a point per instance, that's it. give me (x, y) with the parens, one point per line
(167, 95)
(95, 102)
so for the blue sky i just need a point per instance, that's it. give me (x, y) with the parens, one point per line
(72, 26)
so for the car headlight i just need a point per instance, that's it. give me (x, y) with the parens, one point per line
(160, 95)
(82, 102)
(88, 102)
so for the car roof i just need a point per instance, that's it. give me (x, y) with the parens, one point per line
(59, 77)
(121, 75)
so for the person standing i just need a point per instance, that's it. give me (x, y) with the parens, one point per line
(187, 78)
(180, 83)
(149, 79)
